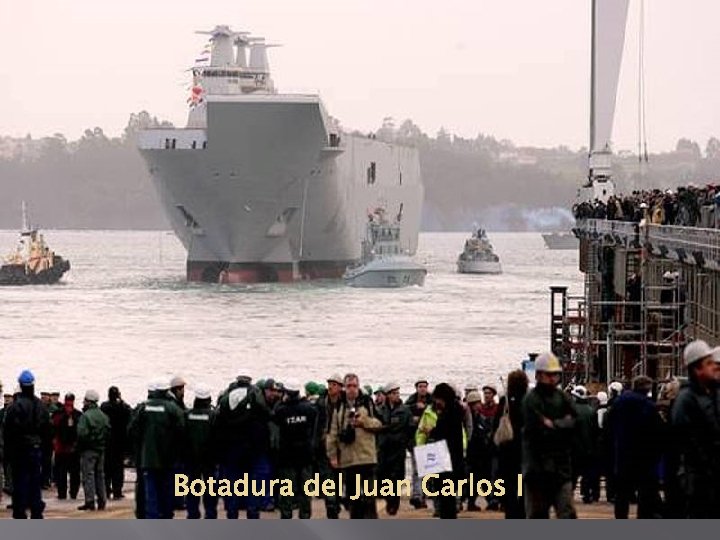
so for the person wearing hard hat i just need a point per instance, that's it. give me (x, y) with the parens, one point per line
(550, 418)
(479, 449)
(696, 426)
(326, 405)
(93, 436)
(296, 420)
(201, 453)
(26, 430)
(177, 389)
(393, 441)
(177, 392)
(351, 445)
(157, 429)
(312, 391)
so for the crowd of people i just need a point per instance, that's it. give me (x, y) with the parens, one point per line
(657, 447)
(688, 206)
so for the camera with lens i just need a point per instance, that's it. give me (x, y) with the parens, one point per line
(347, 435)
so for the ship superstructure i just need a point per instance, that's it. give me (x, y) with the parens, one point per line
(266, 186)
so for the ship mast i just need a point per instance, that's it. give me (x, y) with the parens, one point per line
(608, 21)
(592, 81)
(26, 229)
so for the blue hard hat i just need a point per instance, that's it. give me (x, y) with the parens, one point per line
(26, 378)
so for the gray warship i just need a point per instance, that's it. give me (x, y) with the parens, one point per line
(263, 186)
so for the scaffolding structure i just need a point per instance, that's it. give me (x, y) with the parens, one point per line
(647, 290)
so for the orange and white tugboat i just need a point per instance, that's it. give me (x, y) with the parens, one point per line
(32, 262)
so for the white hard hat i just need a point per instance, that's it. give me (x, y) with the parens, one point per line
(615, 387)
(580, 392)
(292, 385)
(202, 392)
(92, 395)
(177, 381)
(473, 397)
(697, 350)
(159, 384)
(602, 398)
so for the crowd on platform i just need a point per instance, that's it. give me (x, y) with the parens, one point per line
(657, 447)
(688, 206)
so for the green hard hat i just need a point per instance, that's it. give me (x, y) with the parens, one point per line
(312, 388)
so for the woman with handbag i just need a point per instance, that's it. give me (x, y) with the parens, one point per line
(508, 440)
(450, 428)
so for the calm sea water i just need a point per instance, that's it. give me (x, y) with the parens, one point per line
(124, 315)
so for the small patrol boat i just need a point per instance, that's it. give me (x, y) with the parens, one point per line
(32, 262)
(384, 264)
(478, 256)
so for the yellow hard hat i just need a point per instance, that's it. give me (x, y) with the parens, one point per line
(548, 363)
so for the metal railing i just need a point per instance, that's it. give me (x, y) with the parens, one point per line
(624, 233)
(692, 245)
(695, 243)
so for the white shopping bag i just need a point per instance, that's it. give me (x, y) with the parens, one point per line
(433, 458)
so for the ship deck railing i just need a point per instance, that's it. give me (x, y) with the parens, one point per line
(689, 245)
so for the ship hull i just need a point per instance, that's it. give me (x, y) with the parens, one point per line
(561, 241)
(478, 267)
(16, 274)
(262, 195)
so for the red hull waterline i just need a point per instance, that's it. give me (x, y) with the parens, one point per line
(236, 273)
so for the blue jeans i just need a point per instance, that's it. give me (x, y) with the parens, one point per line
(261, 471)
(158, 493)
(27, 485)
(209, 502)
(234, 465)
(257, 468)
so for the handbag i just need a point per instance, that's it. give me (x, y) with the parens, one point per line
(504, 433)
(433, 458)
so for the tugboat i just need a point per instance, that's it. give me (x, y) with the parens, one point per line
(32, 263)
(478, 256)
(384, 264)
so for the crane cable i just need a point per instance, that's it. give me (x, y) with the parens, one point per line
(642, 122)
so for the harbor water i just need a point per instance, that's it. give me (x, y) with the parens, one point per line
(124, 315)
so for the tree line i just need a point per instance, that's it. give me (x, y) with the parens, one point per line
(101, 182)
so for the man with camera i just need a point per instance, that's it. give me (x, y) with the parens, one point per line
(351, 445)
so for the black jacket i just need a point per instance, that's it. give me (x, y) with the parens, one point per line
(296, 420)
(635, 429)
(27, 425)
(449, 427)
(393, 440)
(696, 423)
(200, 435)
(119, 414)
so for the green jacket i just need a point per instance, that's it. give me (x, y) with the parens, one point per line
(157, 431)
(548, 450)
(93, 430)
(427, 422)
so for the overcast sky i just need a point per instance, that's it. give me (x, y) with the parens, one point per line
(517, 69)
